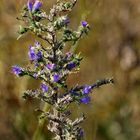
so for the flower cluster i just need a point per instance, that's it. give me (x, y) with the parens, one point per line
(52, 67)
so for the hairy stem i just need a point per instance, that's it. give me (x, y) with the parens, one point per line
(38, 132)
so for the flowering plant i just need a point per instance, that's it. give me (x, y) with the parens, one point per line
(52, 66)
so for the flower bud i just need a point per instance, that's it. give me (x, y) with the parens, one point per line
(84, 23)
(71, 65)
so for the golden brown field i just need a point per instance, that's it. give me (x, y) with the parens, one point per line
(112, 49)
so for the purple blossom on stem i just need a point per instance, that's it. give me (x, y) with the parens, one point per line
(85, 100)
(71, 65)
(37, 44)
(44, 88)
(87, 89)
(17, 70)
(66, 21)
(33, 55)
(30, 5)
(39, 55)
(37, 5)
(35, 75)
(84, 23)
(34, 5)
(51, 66)
(81, 133)
(56, 77)
(68, 54)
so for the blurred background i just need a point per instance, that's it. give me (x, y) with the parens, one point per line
(110, 50)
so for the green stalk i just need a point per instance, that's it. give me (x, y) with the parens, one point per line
(38, 132)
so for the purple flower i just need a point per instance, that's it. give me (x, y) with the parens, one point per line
(44, 87)
(56, 77)
(33, 55)
(71, 65)
(37, 44)
(39, 55)
(87, 89)
(68, 54)
(30, 5)
(84, 23)
(35, 75)
(81, 134)
(36, 65)
(85, 100)
(37, 5)
(66, 21)
(51, 66)
(34, 5)
(17, 70)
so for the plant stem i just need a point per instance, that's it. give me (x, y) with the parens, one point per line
(38, 132)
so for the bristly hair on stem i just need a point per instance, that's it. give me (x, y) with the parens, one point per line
(52, 67)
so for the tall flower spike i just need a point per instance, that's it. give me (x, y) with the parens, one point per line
(51, 66)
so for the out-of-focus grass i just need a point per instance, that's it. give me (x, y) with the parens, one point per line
(111, 49)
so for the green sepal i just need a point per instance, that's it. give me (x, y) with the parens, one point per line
(22, 30)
